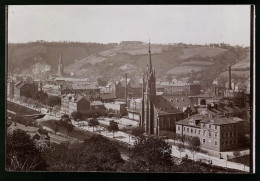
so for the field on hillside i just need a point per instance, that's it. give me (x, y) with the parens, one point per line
(203, 52)
(23, 56)
(243, 64)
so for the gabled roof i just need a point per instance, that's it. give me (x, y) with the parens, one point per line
(164, 107)
(20, 84)
(107, 96)
(179, 101)
(206, 119)
(97, 103)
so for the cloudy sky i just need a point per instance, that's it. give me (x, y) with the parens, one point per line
(104, 24)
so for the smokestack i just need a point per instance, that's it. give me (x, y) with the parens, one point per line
(126, 89)
(229, 77)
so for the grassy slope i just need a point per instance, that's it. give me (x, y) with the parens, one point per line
(110, 61)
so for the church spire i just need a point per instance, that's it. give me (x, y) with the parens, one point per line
(150, 59)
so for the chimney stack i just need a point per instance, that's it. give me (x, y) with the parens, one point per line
(126, 90)
(229, 77)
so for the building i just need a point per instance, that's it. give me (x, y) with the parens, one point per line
(107, 98)
(116, 108)
(32, 131)
(134, 109)
(10, 89)
(215, 133)
(75, 87)
(118, 89)
(173, 88)
(74, 103)
(98, 107)
(52, 90)
(131, 43)
(25, 89)
(60, 66)
(158, 113)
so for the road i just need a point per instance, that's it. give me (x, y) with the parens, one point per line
(129, 139)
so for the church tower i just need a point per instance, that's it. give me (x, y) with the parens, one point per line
(149, 95)
(60, 66)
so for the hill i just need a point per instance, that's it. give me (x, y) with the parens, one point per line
(21, 57)
(110, 61)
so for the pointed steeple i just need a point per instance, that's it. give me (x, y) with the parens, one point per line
(150, 59)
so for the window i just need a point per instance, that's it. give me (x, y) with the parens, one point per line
(195, 131)
(222, 143)
(216, 143)
(234, 133)
(226, 142)
(216, 127)
(184, 128)
(216, 134)
(223, 135)
(231, 142)
(188, 129)
(209, 126)
(179, 128)
(191, 130)
(209, 134)
(230, 134)
(234, 126)
(203, 140)
(199, 131)
(226, 134)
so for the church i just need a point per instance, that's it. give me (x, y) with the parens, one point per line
(159, 112)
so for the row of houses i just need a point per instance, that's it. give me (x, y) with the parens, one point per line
(79, 103)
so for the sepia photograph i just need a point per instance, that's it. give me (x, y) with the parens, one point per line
(130, 88)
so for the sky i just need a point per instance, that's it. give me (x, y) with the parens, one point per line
(105, 24)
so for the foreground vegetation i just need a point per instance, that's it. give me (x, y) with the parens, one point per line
(96, 153)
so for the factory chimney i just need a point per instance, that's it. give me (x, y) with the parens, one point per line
(126, 90)
(229, 77)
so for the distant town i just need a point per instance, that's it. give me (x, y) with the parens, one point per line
(197, 120)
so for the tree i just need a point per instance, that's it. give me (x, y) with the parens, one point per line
(194, 145)
(137, 132)
(243, 141)
(55, 126)
(150, 154)
(66, 124)
(113, 127)
(236, 154)
(22, 154)
(53, 101)
(96, 153)
(180, 148)
(77, 116)
(93, 122)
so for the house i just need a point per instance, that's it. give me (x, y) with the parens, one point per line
(98, 107)
(74, 103)
(32, 131)
(118, 108)
(107, 98)
(215, 133)
(25, 89)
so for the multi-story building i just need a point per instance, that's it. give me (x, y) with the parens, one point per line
(118, 108)
(74, 103)
(25, 89)
(181, 88)
(158, 113)
(52, 90)
(215, 133)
